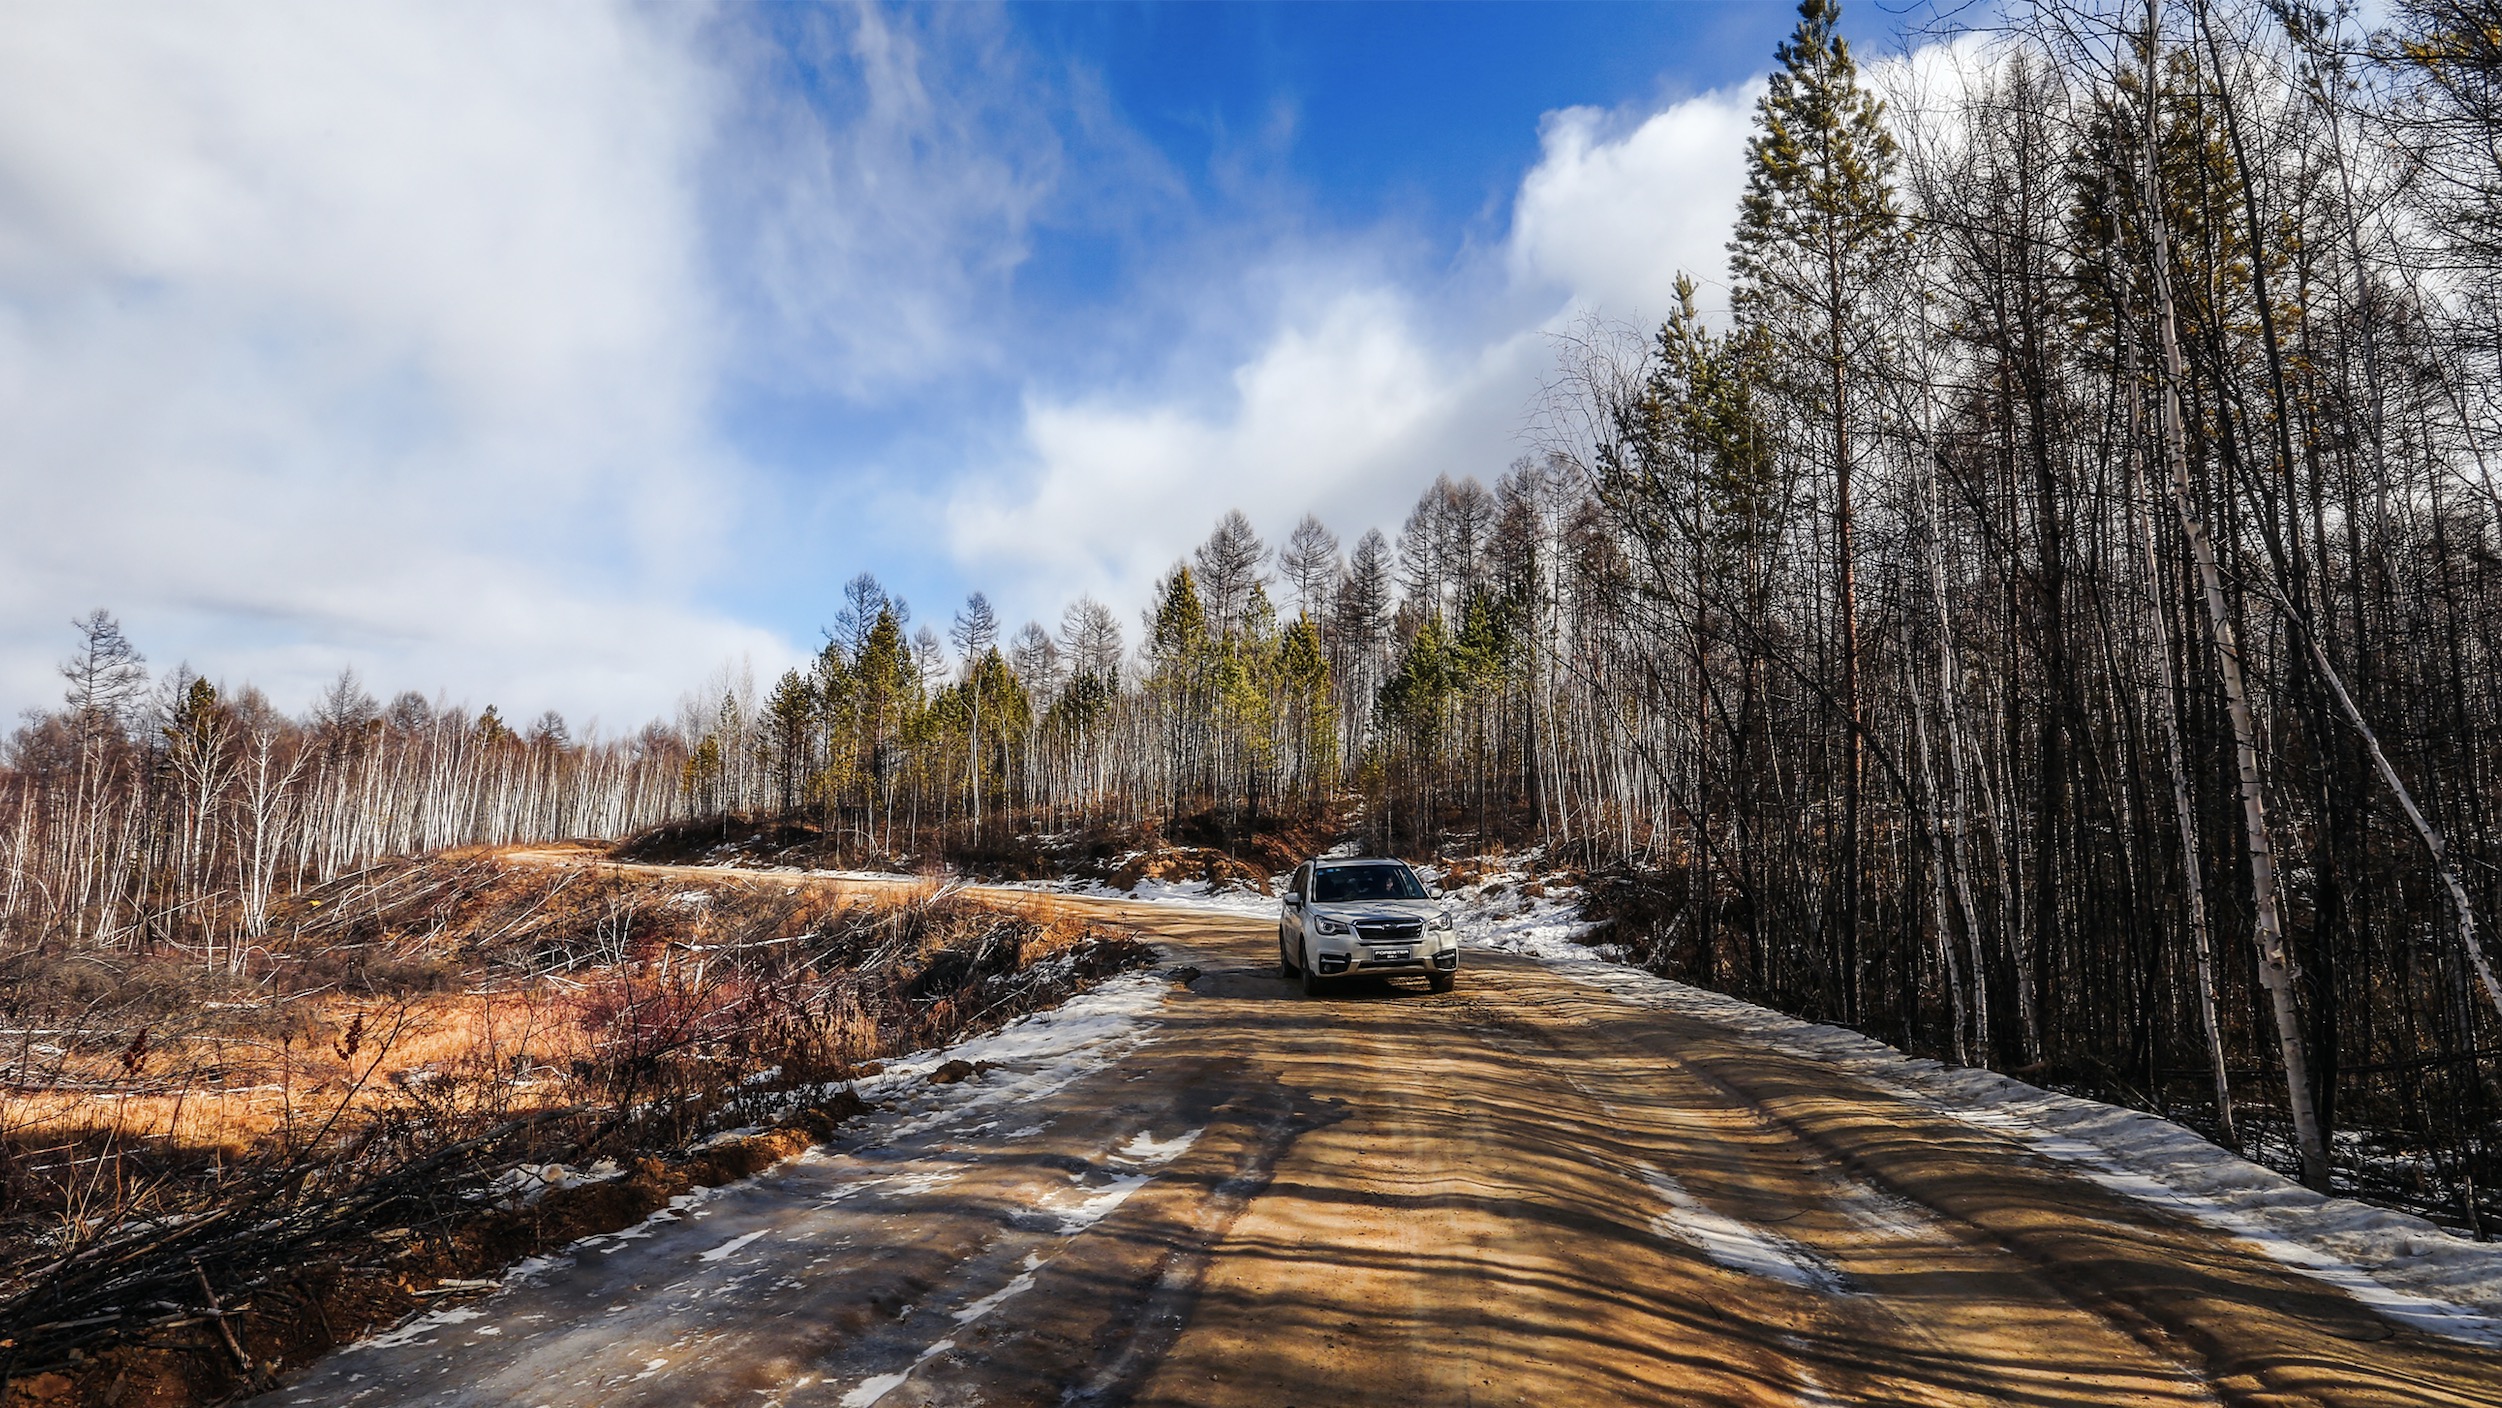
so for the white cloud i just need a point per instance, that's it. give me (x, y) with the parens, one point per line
(364, 334)
(395, 335)
(1358, 398)
(889, 195)
(1344, 413)
(1612, 215)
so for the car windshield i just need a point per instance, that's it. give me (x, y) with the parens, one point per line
(1365, 882)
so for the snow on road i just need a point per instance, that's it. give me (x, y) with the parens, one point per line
(1050, 1049)
(1183, 894)
(1737, 1245)
(1029, 1059)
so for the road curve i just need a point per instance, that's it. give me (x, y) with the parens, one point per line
(1525, 1191)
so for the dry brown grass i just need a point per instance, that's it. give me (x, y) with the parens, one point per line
(403, 1038)
(233, 1093)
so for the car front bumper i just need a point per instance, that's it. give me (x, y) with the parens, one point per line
(1362, 961)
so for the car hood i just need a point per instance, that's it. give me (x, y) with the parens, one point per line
(1379, 909)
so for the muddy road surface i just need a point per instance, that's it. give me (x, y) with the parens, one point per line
(1525, 1191)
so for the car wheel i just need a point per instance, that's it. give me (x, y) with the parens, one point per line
(1285, 960)
(1311, 980)
(1441, 982)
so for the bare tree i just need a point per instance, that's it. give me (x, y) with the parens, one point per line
(1229, 570)
(1310, 564)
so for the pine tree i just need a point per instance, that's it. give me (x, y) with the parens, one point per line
(1177, 660)
(889, 691)
(1303, 682)
(1814, 232)
(492, 730)
(791, 726)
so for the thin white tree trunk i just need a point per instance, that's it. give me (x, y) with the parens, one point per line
(2268, 930)
(2193, 870)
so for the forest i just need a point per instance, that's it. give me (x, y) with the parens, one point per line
(2048, 622)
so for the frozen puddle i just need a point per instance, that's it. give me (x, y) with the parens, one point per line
(1737, 1245)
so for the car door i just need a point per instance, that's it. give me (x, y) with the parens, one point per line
(1299, 891)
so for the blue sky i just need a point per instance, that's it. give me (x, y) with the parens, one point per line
(555, 355)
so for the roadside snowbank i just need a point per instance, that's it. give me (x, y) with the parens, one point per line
(2402, 1266)
(1185, 894)
(1036, 1055)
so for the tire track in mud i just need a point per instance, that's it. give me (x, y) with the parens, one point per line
(1099, 1308)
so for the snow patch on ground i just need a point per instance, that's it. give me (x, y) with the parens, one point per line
(1086, 1212)
(1497, 911)
(2428, 1313)
(1182, 894)
(525, 1184)
(1886, 1215)
(2407, 1269)
(733, 1246)
(1736, 1245)
(1145, 1149)
(425, 1324)
(1023, 1282)
(1034, 1055)
(870, 1390)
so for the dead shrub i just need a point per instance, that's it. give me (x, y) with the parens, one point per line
(309, 1138)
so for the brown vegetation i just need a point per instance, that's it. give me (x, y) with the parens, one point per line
(1239, 852)
(436, 1067)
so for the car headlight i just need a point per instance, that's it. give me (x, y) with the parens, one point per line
(1440, 921)
(1326, 925)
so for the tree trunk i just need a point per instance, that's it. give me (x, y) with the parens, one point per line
(2268, 931)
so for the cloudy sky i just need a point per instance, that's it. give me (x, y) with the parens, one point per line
(552, 355)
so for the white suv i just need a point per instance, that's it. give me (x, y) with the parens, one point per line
(1364, 918)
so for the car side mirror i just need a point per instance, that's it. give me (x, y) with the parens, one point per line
(1293, 900)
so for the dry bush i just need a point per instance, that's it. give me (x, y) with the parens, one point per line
(279, 1152)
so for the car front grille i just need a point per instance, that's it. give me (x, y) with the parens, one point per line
(1387, 931)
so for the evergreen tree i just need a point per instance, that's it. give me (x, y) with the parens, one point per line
(888, 686)
(790, 733)
(1816, 228)
(492, 730)
(1178, 657)
(1303, 683)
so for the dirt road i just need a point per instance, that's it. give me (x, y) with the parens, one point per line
(1524, 1191)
